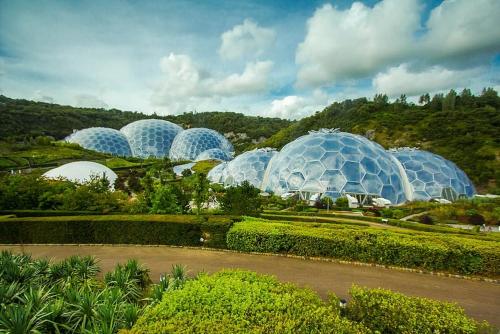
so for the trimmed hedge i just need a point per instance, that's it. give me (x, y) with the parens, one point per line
(384, 311)
(47, 213)
(180, 230)
(241, 302)
(312, 219)
(413, 250)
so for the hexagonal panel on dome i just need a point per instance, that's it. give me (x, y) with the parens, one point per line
(103, 140)
(214, 154)
(348, 163)
(249, 166)
(432, 176)
(188, 144)
(150, 137)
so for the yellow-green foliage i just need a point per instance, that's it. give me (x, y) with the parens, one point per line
(205, 166)
(389, 312)
(237, 301)
(431, 251)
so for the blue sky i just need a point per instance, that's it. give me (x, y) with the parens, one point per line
(272, 58)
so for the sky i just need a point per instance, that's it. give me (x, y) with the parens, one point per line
(278, 58)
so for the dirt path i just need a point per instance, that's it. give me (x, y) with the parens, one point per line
(481, 300)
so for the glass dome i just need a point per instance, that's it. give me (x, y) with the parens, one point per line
(150, 137)
(249, 166)
(81, 172)
(216, 173)
(214, 154)
(103, 140)
(188, 144)
(181, 168)
(432, 176)
(333, 163)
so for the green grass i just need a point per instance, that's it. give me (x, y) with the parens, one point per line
(205, 166)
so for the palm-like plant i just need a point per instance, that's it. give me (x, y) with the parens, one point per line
(23, 319)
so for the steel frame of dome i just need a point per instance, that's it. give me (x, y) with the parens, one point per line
(334, 163)
(150, 137)
(249, 166)
(432, 176)
(188, 144)
(214, 154)
(105, 140)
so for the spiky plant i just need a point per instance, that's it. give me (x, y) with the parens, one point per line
(139, 272)
(122, 279)
(81, 309)
(23, 319)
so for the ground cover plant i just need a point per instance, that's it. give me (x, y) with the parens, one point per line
(413, 249)
(38, 296)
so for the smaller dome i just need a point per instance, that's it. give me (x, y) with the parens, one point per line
(249, 166)
(81, 172)
(214, 154)
(215, 174)
(105, 140)
(188, 144)
(150, 137)
(181, 168)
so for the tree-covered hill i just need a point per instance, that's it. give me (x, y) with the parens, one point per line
(24, 119)
(461, 127)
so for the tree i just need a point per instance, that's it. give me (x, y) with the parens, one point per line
(241, 200)
(164, 201)
(381, 99)
(436, 103)
(342, 203)
(424, 99)
(200, 191)
(450, 100)
(466, 98)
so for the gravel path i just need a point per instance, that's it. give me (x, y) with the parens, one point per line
(481, 300)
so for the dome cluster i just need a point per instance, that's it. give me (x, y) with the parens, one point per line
(156, 138)
(333, 163)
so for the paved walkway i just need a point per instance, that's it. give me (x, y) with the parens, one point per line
(481, 300)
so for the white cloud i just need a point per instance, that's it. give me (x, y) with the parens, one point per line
(296, 107)
(41, 97)
(402, 80)
(463, 28)
(361, 41)
(346, 44)
(246, 39)
(90, 101)
(186, 87)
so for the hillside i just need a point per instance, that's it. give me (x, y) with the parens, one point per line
(461, 127)
(24, 119)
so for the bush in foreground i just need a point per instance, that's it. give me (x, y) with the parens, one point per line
(243, 302)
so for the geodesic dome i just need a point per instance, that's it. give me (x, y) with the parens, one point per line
(214, 154)
(432, 176)
(103, 140)
(334, 163)
(181, 168)
(81, 172)
(188, 144)
(215, 174)
(249, 166)
(150, 137)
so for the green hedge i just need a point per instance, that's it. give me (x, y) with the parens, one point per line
(311, 219)
(241, 302)
(428, 251)
(117, 229)
(384, 311)
(46, 213)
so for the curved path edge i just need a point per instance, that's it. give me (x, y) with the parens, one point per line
(480, 298)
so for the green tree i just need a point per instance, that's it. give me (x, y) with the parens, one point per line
(242, 200)
(164, 200)
(200, 191)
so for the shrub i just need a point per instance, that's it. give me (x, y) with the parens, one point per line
(237, 301)
(241, 200)
(342, 203)
(385, 311)
(429, 251)
(115, 229)
(426, 219)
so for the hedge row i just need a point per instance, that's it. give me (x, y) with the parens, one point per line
(301, 216)
(46, 213)
(427, 251)
(311, 219)
(118, 229)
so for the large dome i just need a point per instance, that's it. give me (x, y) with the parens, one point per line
(188, 144)
(103, 140)
(334, 163)
(249, 166)
(150, 137)
(214, 154)
(432, 176)
(81, 172)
